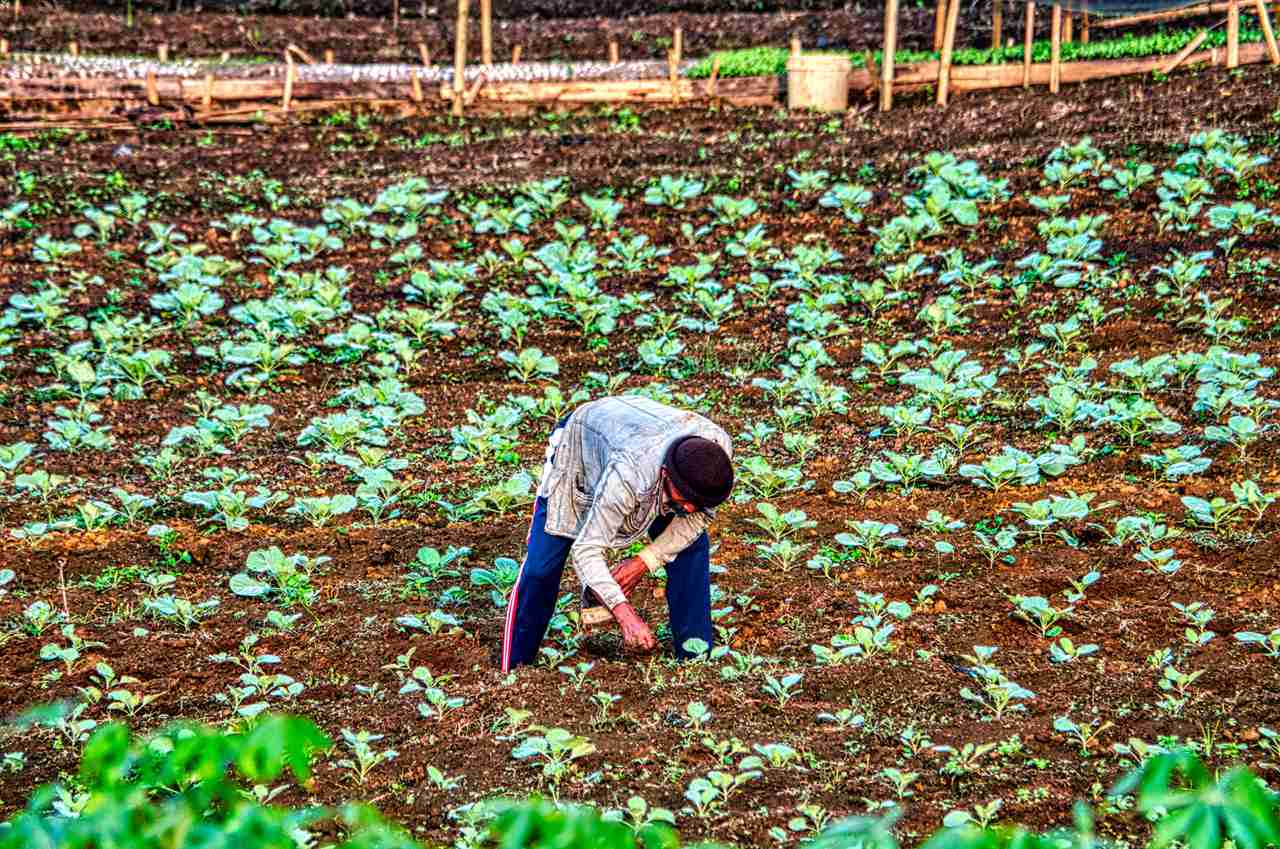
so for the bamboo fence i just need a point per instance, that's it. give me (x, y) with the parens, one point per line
(37, 102)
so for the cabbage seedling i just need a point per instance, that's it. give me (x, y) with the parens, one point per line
(70, 653)
(1240, 432)
(556, 751)
(783, 689)
(998, 693)
(1037, 611)
(320, 510)
(1066, 651)
(364, 757)
(1213, 513)
(1085, 736)
(870, 538)
(286, 577)
(995, 546)
(779, 525)
(1197, 616)
(180, 610)
(672, 191)
(1268, 643)
(900, 781)
(499, 579)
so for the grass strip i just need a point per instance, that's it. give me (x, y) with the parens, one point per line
(768, 61)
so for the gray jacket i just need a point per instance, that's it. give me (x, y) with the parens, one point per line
(602, 484)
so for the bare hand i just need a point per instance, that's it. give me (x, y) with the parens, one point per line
(628, 574)
(635, 633)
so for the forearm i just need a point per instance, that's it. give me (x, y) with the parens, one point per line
(678, 535)
(593, 571)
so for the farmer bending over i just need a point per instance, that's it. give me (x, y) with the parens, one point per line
(617, 469)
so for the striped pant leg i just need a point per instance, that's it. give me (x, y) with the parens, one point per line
(533, 598)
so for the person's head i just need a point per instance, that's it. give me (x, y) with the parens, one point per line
(697, 474)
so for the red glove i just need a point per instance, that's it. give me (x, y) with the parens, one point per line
(628, 574)
(635, 633)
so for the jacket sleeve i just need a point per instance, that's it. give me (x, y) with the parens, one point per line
(613, 500)
(678, 535)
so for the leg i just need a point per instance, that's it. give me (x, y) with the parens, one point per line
(689, 596)
(533, 598)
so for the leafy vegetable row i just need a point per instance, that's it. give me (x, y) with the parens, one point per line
(768, 61)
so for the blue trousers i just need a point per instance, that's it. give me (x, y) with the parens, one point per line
(533, 599)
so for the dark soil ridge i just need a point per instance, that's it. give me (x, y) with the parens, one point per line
(639, 36)
(512, 9)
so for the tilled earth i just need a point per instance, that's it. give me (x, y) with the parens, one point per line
(640, 36)
(349, 635)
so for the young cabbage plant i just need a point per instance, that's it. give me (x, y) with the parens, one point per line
(779, 525)
(364, 757)
(1037, 611)
(871, 538)
(1066, 651)
(499, 579)
(556, 752)
(182, 611)
(783, 689)
(285, 578)
(1268, 643)
(673, 191)
(998, 693)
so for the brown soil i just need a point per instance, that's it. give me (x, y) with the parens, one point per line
(349, 635)
(639, 35)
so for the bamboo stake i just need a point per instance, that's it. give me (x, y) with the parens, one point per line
(997, 23)
(1028, 36)
(1264, 18)
(672, 76)
(939, 24)
(395, 15)
(415, 87)
(1153, 17)
(328, 56)
(424, 55)
(613, 51)
(4, 47)
(1181, 55)
(677, 43)
(73, 49)
(486, 32)
(207, 99)
(948, 48)
(17, 9)
(795, 46)
(301, 54)
(1055, 52)
(162, 52)
(287, 98)
(515, 54)
(1233, 34)
(1084, 27)
(713, 82)
(1067, 26)
(890, 48)
(226, 56)
(153, 93)
(460, 57)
